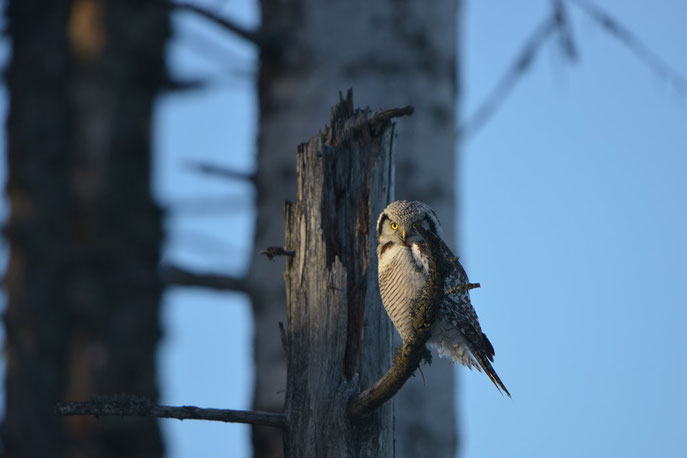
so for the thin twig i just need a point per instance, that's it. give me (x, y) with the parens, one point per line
(558, 22)
(252, 36)
(123, 405)
(459, 288)
(227, 62)
(518, 67)
(566, 41)
(381, 116)
(175, 275)
(219, 171)
(273, 251)
(629, 39)
(284, 338)
(213, 82)
(412, 351)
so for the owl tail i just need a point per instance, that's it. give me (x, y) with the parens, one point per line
(484, 363)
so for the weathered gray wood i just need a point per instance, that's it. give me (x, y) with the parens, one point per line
(338, 334)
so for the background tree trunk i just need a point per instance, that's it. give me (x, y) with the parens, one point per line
(392, 53)
(338, 338)
(84, 231)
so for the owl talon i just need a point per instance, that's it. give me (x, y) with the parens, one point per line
(427, 357)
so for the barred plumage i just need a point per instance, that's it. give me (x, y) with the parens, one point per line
(403, 272)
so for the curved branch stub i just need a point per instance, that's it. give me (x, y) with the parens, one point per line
(411, 352)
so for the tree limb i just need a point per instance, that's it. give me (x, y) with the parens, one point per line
(382, 116)
(412, 351)
(518, 68)
(558, 21)
(175, 275)
(249, 35)
(123, 405)
(273, 251)
(624, 35)
(219, 171)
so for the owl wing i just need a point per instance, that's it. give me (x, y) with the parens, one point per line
(460, 312)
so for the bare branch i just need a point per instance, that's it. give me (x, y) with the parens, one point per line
(382, 116)
(177, 85)
(249, 35)
(284, 338)
(124, 405)
(214, 52)
(629, 39)
(411, 352)
(175, 275)
(272, 251)
(520, 65)
(219, 171)
(210, 82)
(558, 22)
(566, 41)
(459, 288)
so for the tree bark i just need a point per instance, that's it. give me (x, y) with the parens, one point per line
(393, 53)
(338, 337)
(84, 231)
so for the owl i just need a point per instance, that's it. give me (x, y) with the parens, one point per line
(403, 271)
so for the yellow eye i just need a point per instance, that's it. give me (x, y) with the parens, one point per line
(394, 225)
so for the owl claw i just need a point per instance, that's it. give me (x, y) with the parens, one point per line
(427, 357)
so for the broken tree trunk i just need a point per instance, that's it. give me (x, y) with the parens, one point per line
(339, 337)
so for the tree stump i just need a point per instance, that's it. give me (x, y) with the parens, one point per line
(338, 334)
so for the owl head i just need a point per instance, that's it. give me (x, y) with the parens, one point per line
(396, 222)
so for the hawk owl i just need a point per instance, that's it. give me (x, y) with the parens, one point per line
(403, 271)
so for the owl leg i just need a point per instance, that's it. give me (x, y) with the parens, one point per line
(427, 356)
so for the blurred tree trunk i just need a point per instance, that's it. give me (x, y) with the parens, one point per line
(84, 231)
(392, 53)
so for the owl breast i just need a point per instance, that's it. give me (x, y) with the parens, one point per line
(401, 279)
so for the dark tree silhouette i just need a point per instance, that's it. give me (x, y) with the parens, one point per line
(84, 232)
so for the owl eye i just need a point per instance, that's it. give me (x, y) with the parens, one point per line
(394, 225)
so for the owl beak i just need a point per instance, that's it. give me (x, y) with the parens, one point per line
(403, 235)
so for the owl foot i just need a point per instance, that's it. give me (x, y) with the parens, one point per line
(427, 356)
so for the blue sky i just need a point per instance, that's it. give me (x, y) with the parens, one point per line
(574, 221)
(572, 212)
(572, 217)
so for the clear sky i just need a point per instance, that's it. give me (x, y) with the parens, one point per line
(574, 220)
(572, 217)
